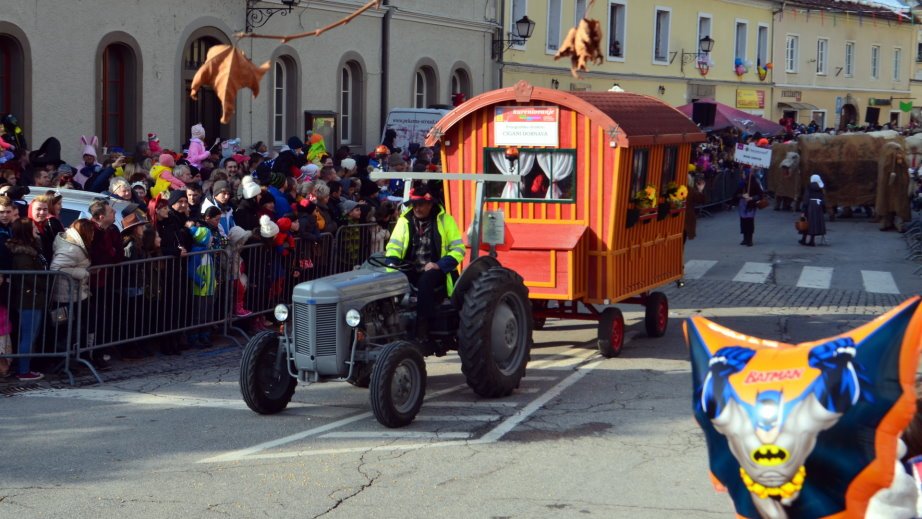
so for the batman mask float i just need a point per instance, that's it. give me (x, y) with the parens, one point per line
(806, 430)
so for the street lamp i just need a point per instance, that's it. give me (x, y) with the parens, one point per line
(524, 28)
(258, 16)
(705, 46)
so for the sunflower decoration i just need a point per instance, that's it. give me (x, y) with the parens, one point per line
(675, 194)
(645, 198)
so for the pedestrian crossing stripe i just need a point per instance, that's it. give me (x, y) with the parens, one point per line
(873, 281)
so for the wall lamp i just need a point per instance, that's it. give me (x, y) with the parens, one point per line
(258, 16)
(524, 28)
(705, 46)
(661, 90)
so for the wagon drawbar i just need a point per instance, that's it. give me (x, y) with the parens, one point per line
(580, 231)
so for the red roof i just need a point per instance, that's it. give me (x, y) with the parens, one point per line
(640, 115)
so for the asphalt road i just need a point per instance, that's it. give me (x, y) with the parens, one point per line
(584, 436)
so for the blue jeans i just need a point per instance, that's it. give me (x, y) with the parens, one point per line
(30, 322)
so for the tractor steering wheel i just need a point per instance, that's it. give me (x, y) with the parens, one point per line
(380, 261)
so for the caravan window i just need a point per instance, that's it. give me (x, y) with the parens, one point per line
(547, 174)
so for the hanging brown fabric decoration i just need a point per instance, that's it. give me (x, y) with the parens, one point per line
(582, 44)
(227, 69)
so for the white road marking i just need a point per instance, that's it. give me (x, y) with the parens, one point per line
(754, 272)
(815, 277)
(490, 404)
(127, 397)
(390, 435)
(494, 435)
(696, 269)
(563, 360)
(879, 282)
(539, 378)
(457, 418)
(248, 452)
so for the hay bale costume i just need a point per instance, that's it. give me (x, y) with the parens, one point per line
(892, 187)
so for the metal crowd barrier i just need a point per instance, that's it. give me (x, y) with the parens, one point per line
(167, 298)
(36, 309)
(720, 189)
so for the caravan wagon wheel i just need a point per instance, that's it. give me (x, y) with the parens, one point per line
(611, 333)
(656, 317)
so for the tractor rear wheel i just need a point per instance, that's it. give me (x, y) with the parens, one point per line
(495, 335)
(265, 383)
(656, 316)
(398, 384)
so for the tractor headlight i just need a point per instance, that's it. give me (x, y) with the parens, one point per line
(281, 313)
(353, 318)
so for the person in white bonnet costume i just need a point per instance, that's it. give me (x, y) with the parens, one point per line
(814, 210)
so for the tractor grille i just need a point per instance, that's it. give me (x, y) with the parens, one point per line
(315, 325)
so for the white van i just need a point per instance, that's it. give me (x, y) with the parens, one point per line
(412, 125)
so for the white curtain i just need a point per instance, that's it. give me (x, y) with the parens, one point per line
(559, 166)
(522, 167)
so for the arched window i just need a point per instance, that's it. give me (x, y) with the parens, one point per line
(351, 94)
(207, 108)
(278, 103)
(12, 84)
(460, 83)
(119, 100)
(425, 87)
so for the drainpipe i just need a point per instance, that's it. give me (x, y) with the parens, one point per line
(499, 59)
(385, 61)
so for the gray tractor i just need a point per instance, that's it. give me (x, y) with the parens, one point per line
(357, 327)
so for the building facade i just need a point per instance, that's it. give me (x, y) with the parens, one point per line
(122, 69)
(827, 61)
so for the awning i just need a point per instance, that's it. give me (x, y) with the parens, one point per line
(797, 106)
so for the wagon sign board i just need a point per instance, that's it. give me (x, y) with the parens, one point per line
(526, 125)
(753, 155)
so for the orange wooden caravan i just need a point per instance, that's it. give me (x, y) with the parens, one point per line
(577, 235)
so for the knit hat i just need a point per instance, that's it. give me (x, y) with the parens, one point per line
(308, 172)
(277, 180)
(284, 224)
(395, 159)
(89, 145)
(348, 206)
(267, 228)
(295, 143)
(250, 188)
(220, 185)
(142, 185)
(175, 196)
(153, 137)
(347, 163)
(198, 131)
(167, 160)
(200, 235)
(238, 235)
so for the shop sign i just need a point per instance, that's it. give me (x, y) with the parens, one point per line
(750, 99)
(526, 125)
(792, 93)
(753, 155)
(876, 101)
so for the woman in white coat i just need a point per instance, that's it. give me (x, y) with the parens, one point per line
(72, 257)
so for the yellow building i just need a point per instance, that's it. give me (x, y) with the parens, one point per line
(652, 47)
(842, 63)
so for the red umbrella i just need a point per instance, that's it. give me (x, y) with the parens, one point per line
(727, 117)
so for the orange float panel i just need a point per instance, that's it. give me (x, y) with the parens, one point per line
(549, 257)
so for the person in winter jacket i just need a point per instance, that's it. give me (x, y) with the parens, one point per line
(326, 222)
(247, 213)
(290, 161)
(236, 239)
(31, 292)
(201, 270)
(220, 198)
(163, 177)
(72, 257)
(175, 239)
(46, 226)
(197, 152)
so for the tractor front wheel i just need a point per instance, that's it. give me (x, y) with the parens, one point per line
(398, 384)
(265, 383)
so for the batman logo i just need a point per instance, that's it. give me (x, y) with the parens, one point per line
(769, 455)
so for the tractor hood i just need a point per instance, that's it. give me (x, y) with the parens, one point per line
(362, 285)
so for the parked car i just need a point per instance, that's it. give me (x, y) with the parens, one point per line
(76, 203)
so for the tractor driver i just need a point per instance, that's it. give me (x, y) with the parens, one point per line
(428, 238)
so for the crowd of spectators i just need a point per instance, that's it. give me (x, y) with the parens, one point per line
(178, 206)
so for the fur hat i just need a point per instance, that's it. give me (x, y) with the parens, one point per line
(347, 163)
(198, 131)
(167, 160)
(89, 145)
(267, 228)
(175, 196)
(250, 188)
